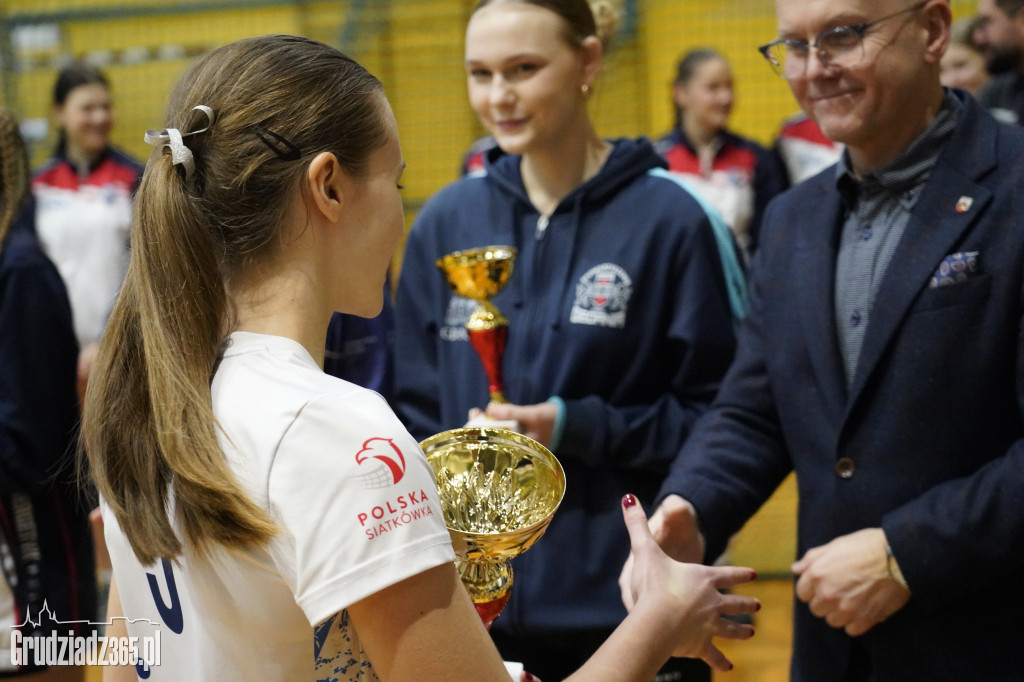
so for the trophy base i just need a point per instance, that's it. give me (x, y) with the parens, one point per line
(489, 610)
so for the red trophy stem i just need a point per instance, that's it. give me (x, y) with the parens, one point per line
(490, 610)
(490, 346)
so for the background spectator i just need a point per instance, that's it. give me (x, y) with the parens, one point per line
(963, 65)
(45, 540)
(734, 174)
(804, 149)
(83, 194)
(1000, 34)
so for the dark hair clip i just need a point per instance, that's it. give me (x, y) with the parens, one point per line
(275, 142)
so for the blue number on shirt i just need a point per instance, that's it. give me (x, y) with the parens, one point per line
(171, 614)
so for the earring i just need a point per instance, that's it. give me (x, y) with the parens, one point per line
(585, 89)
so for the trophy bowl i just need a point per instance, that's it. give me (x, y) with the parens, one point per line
(478, 273)
(499, 491)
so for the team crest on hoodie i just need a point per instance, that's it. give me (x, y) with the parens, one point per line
(602, 296)
(456, 317)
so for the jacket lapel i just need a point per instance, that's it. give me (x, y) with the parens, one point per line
(935, 227)
(815, 262)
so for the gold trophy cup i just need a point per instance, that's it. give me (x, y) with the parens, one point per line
(498, 490)
(480, 274)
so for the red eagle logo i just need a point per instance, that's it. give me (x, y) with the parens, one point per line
(385, 450)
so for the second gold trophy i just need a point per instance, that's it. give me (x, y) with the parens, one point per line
(480, 274)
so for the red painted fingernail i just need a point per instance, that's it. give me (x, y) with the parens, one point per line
(758, 607)
(628, 500)
(753, 575)
(530, 678)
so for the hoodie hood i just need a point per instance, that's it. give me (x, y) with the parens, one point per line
(628, 159)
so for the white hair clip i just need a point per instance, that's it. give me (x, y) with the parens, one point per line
(171, 138)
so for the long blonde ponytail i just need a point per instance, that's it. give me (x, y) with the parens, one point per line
(148, 426)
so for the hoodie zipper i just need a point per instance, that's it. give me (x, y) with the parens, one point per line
(542, 226)
(533, 313)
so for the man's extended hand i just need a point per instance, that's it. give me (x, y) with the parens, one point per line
(846, 582)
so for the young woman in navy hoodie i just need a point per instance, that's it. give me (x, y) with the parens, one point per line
(621, 322)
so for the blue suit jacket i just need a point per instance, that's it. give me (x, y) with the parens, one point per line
(931, 425)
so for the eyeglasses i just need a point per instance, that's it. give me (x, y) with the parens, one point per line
(842, 46)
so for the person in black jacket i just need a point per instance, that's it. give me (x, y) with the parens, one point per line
(45, 540)
(882, 361)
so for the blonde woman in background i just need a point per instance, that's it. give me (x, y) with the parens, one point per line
(620, 323)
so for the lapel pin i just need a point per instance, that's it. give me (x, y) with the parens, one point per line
(963, 204)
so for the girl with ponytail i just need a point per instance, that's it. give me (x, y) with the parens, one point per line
(249, 499)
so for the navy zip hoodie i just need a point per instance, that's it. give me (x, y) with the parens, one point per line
(44, 519)
(618, 306)
(38, 363)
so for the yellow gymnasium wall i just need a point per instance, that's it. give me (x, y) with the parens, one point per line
(414, 46)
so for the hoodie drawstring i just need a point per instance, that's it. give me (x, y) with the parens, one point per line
(563, 295)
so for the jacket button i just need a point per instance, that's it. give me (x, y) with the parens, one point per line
(845, 467)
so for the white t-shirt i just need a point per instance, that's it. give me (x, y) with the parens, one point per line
(85, 233)
(731, 191)
(358, 511)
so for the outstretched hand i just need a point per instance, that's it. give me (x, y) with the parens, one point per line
(684, 597)
(674, 527)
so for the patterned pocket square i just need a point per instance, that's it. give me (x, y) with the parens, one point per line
(955, 268)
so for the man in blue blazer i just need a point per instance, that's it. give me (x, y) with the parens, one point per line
(883, 360)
